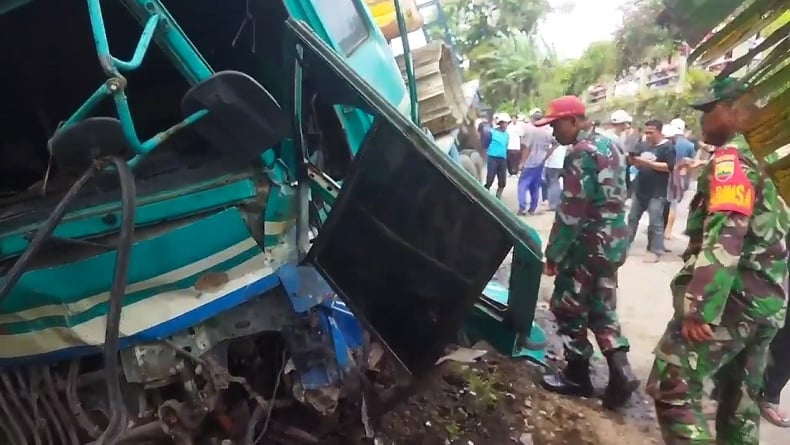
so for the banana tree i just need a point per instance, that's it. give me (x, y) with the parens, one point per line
(510, 68)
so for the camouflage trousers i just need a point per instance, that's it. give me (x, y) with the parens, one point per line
(584, 299)
(735, 359)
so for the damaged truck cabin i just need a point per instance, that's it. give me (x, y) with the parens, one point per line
(174, 238)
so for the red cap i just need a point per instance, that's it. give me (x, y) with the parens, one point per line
(564, 106)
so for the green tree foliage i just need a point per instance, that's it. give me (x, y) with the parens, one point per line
(497, 39)
(525, 73)
(640, 38)
(477, 23)
(598, 62)
(512, 69)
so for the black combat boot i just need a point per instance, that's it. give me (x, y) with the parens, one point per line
(622, 381)
(574, 380)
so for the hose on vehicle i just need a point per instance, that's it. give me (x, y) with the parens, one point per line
(43, 234)
(116, 423)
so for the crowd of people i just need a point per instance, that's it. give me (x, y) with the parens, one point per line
(663, 159)
(519, 149)
(664, 156)
(730, 323)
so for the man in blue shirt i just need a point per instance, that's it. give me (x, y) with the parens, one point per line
(497, 154)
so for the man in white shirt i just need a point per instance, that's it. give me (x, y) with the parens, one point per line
(536, 142)
(618, 129)
(553, 172)
(515, 131)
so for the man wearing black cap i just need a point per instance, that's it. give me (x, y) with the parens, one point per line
(730, 295)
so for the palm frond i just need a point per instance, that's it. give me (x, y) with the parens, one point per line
(768, 80)
(778, 39)
(695, 18)
(741, 28)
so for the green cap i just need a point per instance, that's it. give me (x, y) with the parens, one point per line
(725, 89)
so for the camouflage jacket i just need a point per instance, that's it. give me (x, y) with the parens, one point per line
(736, 261)
(590, 221)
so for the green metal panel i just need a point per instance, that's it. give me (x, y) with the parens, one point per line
(59, 311)
(440, 186)
(149, 259)
(372, 60)
(152, 209)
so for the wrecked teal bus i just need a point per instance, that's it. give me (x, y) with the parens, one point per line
(179, 262)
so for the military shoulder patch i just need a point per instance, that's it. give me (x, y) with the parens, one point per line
(730, 188)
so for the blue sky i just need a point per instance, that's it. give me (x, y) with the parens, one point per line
(588, 21)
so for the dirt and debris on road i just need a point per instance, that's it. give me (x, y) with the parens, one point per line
(496, 401)
(520, 412)
(638, 412)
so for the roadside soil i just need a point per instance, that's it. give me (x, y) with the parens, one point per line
(497, 401)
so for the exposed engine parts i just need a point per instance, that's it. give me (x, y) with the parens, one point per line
(206, 405)
(231, 380)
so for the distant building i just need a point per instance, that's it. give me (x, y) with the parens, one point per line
(719, 64)
(665, 74)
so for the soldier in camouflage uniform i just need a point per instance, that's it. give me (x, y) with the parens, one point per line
(588, 243)
(729, 297)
